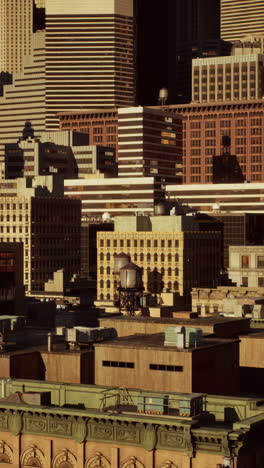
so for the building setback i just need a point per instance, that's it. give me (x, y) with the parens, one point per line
(23, 102)
(90, 55)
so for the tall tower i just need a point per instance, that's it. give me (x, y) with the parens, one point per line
(241, 18)
(90, 55)
(16, 27)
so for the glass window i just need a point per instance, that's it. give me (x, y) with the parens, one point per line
(244, 261)
(260, 261)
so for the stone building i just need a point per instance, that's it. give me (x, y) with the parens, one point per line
(11, 278)
(35, 212)
(246, 265)
(81, 430)
(170, 250)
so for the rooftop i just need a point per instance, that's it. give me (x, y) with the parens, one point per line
(156, 341)
(194, 322)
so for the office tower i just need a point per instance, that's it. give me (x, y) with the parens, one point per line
(150, 144)
(116, 196)
(228, 78)
(15, 33)
(241, 18)
(36, 213)
(23, 102)
(90, 55)
(194, 31)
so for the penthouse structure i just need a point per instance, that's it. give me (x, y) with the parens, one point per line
(149, 144)
(239, 19)
(36, 213)
(90, 55)
(205, 124)
(116, 196)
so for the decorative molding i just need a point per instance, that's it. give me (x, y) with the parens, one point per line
(64, 459)
(168, 464)
(6, 453)
(149, 437)
(33, 455)
(97, 461)
(132, 462)
(15, 422)
(79, 430)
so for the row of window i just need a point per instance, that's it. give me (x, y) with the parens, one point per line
(141, 243)
(141, 257)
(245, 261)
(131, 365)
(244, 281)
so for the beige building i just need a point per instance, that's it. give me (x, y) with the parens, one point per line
(16, 20)
(234, 78)
(246, 265)
(241, 18)
(23, 102)
(48, 225)
(170, 250)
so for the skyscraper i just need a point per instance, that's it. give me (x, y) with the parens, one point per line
(16, 19)
(241, 18)
(90, 55)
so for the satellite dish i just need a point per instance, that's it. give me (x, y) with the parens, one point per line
(106, 216)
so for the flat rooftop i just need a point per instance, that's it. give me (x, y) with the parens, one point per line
(156, 341)
(193, 322)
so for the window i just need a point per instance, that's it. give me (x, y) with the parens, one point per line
(166, 367)
(261, 281)
(244, 281)
(128, 365)
(260, 261)
(244, 261)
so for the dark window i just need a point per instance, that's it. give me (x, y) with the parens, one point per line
(261, 281)
(260, 261)
(244, 281)
(129, 365)
(164, 367)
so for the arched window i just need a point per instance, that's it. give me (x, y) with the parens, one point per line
(155, 257)
(142, 257)
(135, 257)
(169, 257)
(148, 257)
(101, 297)
(108, 284)
(176, 285)
(101, 270)
(108, 256)
(176, 271)
(169, 284)
(101, 256)
(108, 297)
(169, 271)
(162, 257)
(101, 283)
(176, 257)
(108, 270)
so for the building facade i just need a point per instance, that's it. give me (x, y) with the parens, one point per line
(23, 102)
(149, 144)
(239, 19)
(204, 126)
(234, 78)
(11, 278)
(116, 196)
(90, 55)
(170, 251)
(15, 34)
(246, 265)
(49, 227)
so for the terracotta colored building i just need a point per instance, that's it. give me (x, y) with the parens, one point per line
(204, 125)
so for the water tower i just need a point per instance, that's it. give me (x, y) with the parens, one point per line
(130, 288)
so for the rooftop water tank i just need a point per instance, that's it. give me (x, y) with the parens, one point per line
(130, 276)
(120, 260)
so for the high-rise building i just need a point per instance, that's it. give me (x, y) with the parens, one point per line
(23, 102)
(150, 144)
(90, 55)
(239, 19)
(16, 20)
